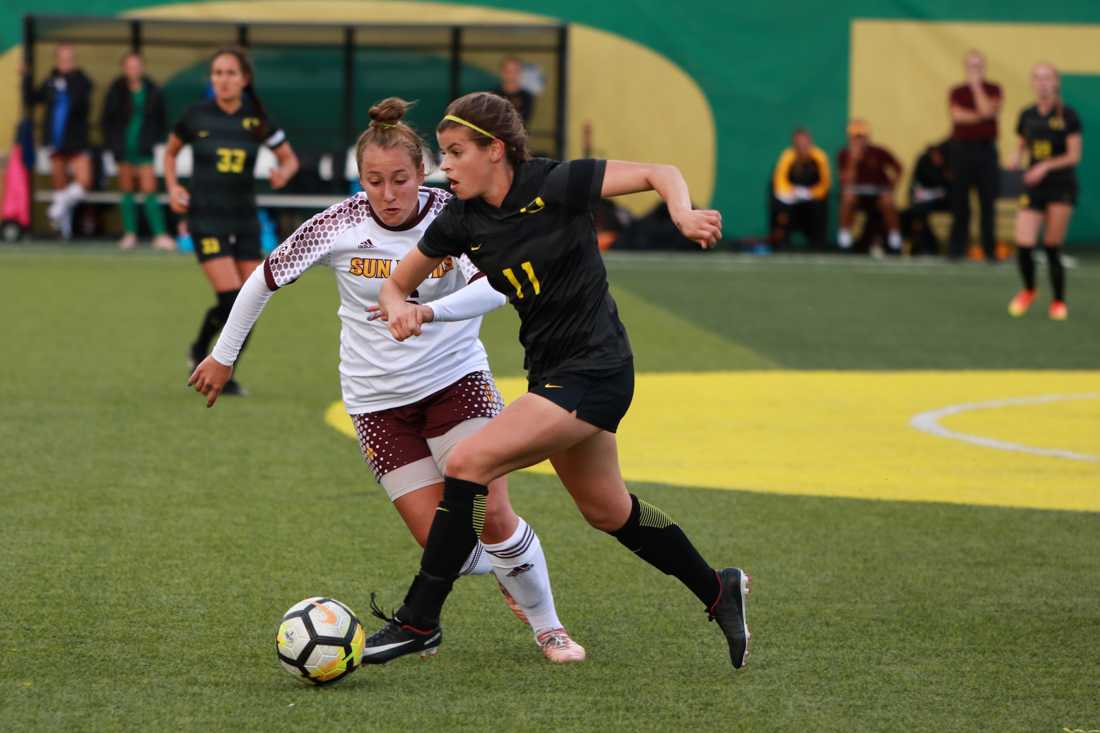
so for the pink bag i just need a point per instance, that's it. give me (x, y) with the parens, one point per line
(17, 194)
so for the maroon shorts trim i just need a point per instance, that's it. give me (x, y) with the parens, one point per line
(390, 439)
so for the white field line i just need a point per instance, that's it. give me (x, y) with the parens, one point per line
(928, 422)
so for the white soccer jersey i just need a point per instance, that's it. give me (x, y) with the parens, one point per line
(378, 372)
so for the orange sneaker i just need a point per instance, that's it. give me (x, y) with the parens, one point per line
(512, 604)
(1058, 310)
(559, 647)
(1019, 304)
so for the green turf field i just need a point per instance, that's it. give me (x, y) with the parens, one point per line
(151, 545)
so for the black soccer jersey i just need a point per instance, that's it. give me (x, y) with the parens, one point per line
(224, 146)
(1046, 135)
(539, 249)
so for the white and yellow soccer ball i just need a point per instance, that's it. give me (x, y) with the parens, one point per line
(319, 640)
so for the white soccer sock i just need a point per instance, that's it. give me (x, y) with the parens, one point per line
(57, 206)
(894, 240)
(520, 566)
(478, 563)
(844, 239)
(61, 210)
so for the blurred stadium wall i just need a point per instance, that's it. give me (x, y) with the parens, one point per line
(717, 86)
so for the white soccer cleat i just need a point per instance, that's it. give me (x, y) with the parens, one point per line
(559, 647)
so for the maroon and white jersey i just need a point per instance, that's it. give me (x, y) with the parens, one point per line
(376, 371)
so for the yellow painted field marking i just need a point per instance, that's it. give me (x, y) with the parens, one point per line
(849, 434)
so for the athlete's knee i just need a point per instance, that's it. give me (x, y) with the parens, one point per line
(606, 516)
(465, 462)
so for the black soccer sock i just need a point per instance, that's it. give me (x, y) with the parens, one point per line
(212, 322)
(1027, 266)
(458, 522)
(652, 535)
(210, 326)
(1057, 272)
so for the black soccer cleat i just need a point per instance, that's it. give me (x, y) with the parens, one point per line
(233, 388)
(729, 611)
(397, 639)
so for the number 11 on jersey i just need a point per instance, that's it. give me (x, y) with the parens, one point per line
(530, 270)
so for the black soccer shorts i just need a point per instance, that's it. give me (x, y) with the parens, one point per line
(600, 398)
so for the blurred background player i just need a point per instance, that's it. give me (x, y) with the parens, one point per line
(929, 192)
(1050, 136)
(67, 94)
(511, 88)
(225, 134)
(868, 176)
(800, 191)
(410, 402)
(527, 224)
(974, 106)
(133, 122)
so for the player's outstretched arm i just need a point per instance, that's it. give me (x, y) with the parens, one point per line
(471, 301)
(404, 319)
(700, 225)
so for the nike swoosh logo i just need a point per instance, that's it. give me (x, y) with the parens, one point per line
(329, 616)
(386, 647)
(475, 247)
(437, 635)
(552, 386)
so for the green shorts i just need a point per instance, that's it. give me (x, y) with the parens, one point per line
(136, 160)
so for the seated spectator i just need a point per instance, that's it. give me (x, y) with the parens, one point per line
(868, 176)
(929, 191)
(67, 94)
(511, 88)
(800, 189)
(133, 121)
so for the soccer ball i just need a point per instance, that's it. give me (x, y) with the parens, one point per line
(319, 640)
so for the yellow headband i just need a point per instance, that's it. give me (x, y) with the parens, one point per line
(386, 125)
(470, 125)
